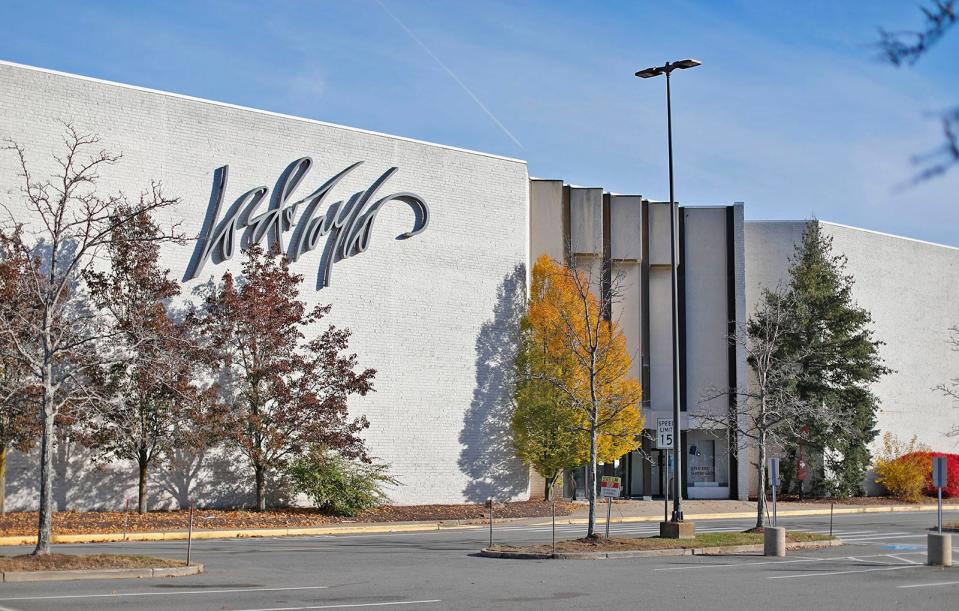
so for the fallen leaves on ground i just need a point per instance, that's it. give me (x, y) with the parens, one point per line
(95, 522)
(71, 562)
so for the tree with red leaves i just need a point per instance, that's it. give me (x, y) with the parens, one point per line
(19, 392)
(147, 387)
(284, 393)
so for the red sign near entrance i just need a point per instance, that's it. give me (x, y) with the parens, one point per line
(610, 487)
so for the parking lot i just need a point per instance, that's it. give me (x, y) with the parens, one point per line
(880, 567)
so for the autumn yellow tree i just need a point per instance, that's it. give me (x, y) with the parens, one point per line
(547, 431)
(574, 365)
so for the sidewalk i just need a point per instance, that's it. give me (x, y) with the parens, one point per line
(622, 512)
(654, 511)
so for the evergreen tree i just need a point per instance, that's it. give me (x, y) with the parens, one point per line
(839, 361)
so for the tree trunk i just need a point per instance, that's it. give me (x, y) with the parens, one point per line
(591, 479)
(3, 481)
(45, 512)
(142, 484)
(260, 488)
(761, 488)
(550, 482)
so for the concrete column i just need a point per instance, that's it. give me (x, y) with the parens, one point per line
(939, 548)
(774, 541)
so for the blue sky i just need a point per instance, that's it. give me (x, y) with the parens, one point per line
(790, 112)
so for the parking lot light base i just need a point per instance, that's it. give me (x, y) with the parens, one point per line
(939, 548)
(774, 541)
(677, 530)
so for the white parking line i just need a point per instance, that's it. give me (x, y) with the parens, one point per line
(904, 559)
(738, 564)
(930, 585)
(875, 535)
(873, 540)
(832, 573)
(346, 605)
(121, 594)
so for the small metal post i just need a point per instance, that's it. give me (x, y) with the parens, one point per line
(939, 511)
(554, 527)
(189, 537)
(490, 501)
(609, 511)
(831, 506)
(126, 519)
(775, 517)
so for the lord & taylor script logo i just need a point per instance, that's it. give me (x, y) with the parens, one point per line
(346, 225)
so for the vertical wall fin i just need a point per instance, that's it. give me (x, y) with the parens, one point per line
(731, 354)
(644, 305)
(681, 305)
(606, 268)
(567, 228)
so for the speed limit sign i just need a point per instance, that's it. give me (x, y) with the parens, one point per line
(664, 433)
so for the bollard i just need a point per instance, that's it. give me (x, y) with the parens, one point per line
(490, 504)
(554, 527)
(126, 519)
(939, 549)
(189, 536)
(774, 541)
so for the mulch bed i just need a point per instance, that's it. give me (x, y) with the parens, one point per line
(628, 544)
(71, 562)
(89, 522)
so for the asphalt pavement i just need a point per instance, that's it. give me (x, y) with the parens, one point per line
(880, 567)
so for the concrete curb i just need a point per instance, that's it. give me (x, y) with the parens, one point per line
(85, 574)
(238, 534)
(654, 553)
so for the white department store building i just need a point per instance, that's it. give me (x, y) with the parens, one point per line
(435, 311)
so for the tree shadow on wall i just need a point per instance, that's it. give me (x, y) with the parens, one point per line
(83, 483)
(488, 458)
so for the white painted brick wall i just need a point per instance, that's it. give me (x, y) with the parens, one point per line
(433, 313)
(911, 289)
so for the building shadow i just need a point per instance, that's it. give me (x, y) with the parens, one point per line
(488, 458)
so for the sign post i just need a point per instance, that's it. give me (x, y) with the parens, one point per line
(664, 441)
(940, 479)
(610, 488)
(666, 465)
(774, 483)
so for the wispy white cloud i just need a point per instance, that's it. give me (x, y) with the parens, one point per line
(452, 74)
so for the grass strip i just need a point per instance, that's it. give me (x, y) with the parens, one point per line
(71, 562)
(625, 544)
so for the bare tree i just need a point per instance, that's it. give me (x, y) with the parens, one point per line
(905, 48)
(767, 412)
(950, 389)
(63, 226)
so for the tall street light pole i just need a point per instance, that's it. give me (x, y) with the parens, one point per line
(677, 515)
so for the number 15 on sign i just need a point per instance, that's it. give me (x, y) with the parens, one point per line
(664, 433)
